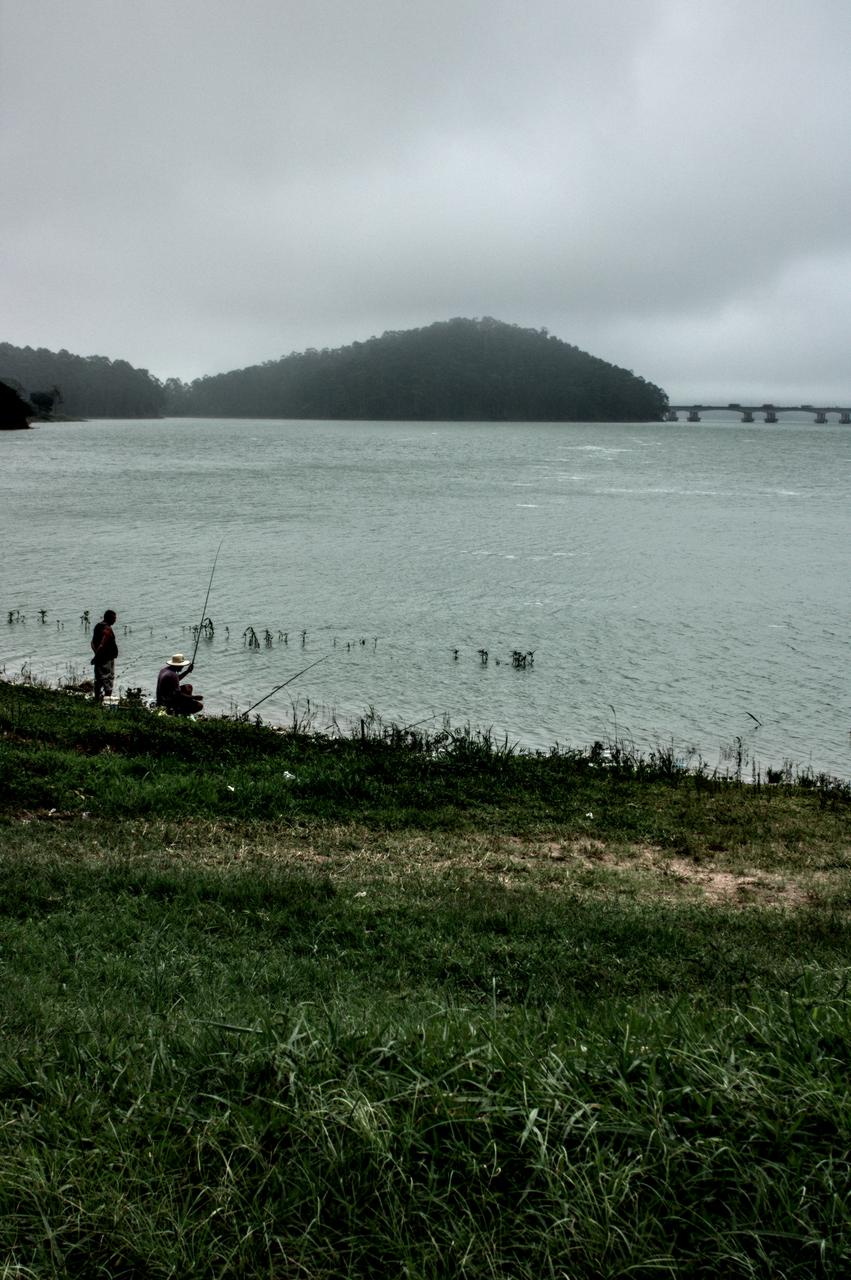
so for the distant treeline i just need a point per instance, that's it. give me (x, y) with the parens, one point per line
(467, 370)
(455, 370)
(81, 386)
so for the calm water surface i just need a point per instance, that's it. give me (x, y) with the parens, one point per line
(678, 584)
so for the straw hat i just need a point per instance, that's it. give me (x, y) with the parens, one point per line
(176, 660)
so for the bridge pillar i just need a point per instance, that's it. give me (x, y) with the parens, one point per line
(693, 415)
(747, 415)
(770, 415)
(821, 416)
(845, 416)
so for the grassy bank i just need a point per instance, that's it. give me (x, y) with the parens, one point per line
(284, 1006)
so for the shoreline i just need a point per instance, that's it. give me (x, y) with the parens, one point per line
(611, 754)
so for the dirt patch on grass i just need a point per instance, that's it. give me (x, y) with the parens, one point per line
(352, 854)
(751, 888)
(664, 874)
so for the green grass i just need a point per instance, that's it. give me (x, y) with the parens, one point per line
(411, 1012)
(436, 1141)
(59, 752)
(238, 1072)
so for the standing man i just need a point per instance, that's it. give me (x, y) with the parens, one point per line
(106, 651)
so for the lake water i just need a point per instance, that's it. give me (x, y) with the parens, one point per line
(678, 584)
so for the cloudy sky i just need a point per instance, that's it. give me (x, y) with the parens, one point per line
(198, 185)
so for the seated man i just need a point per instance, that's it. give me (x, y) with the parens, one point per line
(176, 697)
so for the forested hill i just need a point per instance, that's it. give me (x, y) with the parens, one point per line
(463, 370)
(469, 370)
(82, 386)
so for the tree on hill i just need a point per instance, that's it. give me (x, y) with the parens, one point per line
(43, 401)
(457, 370)
(15, 411)
(91, 386)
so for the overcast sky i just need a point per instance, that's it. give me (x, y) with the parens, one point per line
(198, 185)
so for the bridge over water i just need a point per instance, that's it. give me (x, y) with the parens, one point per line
(770, 412)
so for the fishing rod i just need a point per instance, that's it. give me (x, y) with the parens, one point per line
(244, 714)
(206, 599)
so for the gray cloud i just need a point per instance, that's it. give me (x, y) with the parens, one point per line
(201, 185)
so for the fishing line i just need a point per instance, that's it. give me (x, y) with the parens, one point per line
(128, 666)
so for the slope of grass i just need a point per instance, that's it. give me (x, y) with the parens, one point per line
(422, 1009)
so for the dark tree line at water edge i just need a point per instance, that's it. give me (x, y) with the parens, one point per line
(455, 370)
(15, 409)
(461, 370)
(82, 386)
